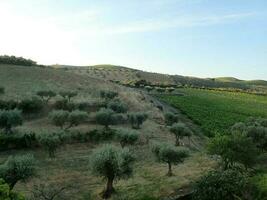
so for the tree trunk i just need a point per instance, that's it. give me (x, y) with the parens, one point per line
(170, 169)
(12, 185)
(109, 189)
(177, 143)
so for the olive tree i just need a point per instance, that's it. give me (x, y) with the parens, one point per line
(137, 119)
(46, 95)
(169, 154)
(117, 106)
(108, 94)
(51, 142)
(31, 105)
(59, 117)
(170, 118)
(217, 185)
(76, 117)
(112, 163)
(2, 90)
(68, 94)
(17, 168)
(180, 130)
(233, 149)
(105, 117)
(127, 137)
(10, 119)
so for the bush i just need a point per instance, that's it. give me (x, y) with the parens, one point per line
(17, 168)
(137, 119)
(77, 117)
(258, 134)
(12, 60)
(218, 185)
(31, 105)
(10, 119)
(180, 130)
(59, 117)
(68, 94)
(170, 118)
(105, 117)
(7, 194)
(8, 105)
(2, 90)
(117, 106)
(46, 95)
(127, 137)
(112, 163)
(169, 154)
(108, 94)
(64, 104)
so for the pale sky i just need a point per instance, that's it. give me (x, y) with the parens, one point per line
(203, 38)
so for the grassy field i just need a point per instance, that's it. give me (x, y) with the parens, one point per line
(216, 111)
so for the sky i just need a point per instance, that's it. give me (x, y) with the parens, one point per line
(202, 38)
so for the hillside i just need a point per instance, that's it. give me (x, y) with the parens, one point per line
(127, 75)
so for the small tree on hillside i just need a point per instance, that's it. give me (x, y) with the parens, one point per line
(112, 163)
(169, 154)
(46, 95)
(180, 130)
(59, 117)
(117, 106)
(108, 94)
(31, 105)
(17, 168)
(77, 117)
(137, 119)
(68, 95)
(10, 119)
(170, 118)
(127, 137)
(105, 117)
(234, 149)
(51, 142)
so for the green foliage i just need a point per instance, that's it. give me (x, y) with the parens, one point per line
(117, 106)
(259, 136)
(46, 95)
(12, 60)
(64, 104)
(17, 168)
(112, 163)
(137, 119)
(2, 90)
(218, 185)
(77, 117)
(149, 88)
(170, 118)
(105, 117)
(216, 111)
(108, 94)
(169, 154)
(51, 142)
(127, 137)
(180, 130)
(31, 105)
(7, 194)
(160, 90)
(59, 117)
(234, 149)
(10, 119)
(68, 94)
(8, 105)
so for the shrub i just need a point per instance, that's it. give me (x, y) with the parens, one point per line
(8, 105)
(77, 117)
(170, 89)
(64, 104)
(46, 95)
(117, 106)
(108, 94)
(59, 117)
(112, 163)
(31, 105)
(170, 118)
(17, 168)
(2, 90)
(137, 119)
(159, 89)
(258, 134)
(127, 137)
(218, 185)
(12, 60)
(169, 154)
(68, 94)
(180, 130)
(233, 149)
(105, 117)
(51, 142)
(7, 194)
(149, 88)
(10, 119)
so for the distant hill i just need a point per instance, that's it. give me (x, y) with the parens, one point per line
(126, 75)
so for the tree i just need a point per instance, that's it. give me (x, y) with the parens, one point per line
(137, 119)
(117, 106)
(170, 118)
(108, 94)
(12, 60)
(46, 95)
(258, 134)
(105, 117)
(10, 119)
(76, 117)
(2, 90)
(149, 88)
(217, 185)
(68, 94)
(112, 163)
(7, 194)
(127, 137)
(233, 149)
(180, 130)
(59, 117)
(51, 142)
(31, 105)
(169, 154)
(17, 168)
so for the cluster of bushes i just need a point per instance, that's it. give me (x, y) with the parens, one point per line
(12, 60)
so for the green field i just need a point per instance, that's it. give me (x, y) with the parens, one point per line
(216, 111)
